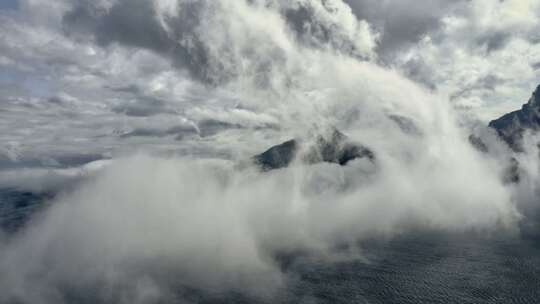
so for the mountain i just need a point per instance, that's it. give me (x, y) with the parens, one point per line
(511, 127)
(335, 148)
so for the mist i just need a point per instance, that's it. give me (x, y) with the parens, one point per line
(146, 223)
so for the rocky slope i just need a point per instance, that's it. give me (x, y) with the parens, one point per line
(335, 148)
(511, 127)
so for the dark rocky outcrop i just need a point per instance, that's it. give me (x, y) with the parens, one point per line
(478, 143)
(335, 148)
(511, 127)
(277, 157)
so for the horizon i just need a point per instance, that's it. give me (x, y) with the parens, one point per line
(269, 151)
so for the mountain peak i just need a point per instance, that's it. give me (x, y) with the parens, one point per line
(535, 98)
(334, 147)
(511, 126)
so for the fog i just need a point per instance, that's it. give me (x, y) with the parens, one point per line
(145, 224)
(167, 222)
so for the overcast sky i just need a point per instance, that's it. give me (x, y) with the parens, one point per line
(92, 77)
(210, 83)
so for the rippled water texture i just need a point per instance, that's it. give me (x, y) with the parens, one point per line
(413, 268)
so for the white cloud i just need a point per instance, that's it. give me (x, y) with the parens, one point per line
(216, 82)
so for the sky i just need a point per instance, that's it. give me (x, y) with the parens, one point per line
(9, 4)
(140, 73)
(143, 115)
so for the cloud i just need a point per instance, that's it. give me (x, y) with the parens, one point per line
(97, 56)
(121, 22)
(215, 228)
(449, 45)
(475, 44)
(9, 4)
(145, 106)
(489, 82)
(195, 35)
(403, 23)
(231, 78)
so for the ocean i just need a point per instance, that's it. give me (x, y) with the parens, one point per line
(415, 267)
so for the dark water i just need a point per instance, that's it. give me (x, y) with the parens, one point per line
(430, 269)
(17, 207)
(414, 268)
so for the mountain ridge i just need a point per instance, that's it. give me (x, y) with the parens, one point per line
(511, 126)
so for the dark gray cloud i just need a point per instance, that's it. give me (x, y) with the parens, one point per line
(56, 100)
(127, 22)
(134, 23)
(209, 127)
(132, 89)
(419, 71)
(182, 37)
(402, 23)
(311, 31)
(9, 4)
(406, 124)
(178, 131)
(488, 82)
(143, 106)
(493, 41)
(204, 128)
(138, 103)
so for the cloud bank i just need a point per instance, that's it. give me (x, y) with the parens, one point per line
(198, 87)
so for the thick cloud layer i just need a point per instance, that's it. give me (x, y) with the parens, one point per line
(201, 86)
(197, 36)
(213, 227)
(403, 23)
(147, 60)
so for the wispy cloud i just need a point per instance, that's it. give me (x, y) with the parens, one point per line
(199, 87)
